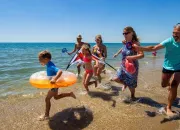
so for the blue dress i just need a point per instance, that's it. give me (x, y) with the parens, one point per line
(128, 79)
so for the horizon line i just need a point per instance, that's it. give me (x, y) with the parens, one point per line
(34, 42)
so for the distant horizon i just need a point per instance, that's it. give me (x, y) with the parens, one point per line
(71, 42)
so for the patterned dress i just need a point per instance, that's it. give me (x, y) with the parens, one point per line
(128, 79)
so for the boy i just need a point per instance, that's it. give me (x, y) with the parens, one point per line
(52, 70)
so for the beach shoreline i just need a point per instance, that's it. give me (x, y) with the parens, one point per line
(22, 112)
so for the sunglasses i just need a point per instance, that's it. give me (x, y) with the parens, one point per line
(126, 33)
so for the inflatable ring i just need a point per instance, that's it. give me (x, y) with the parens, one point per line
(41, 80)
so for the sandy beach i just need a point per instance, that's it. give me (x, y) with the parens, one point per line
(101, 109)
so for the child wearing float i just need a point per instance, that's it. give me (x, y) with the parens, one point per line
(87, 59)
(52, 70)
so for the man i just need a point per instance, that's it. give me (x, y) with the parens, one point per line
(171, 66)
(77, 47)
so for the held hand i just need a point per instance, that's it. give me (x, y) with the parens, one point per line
(68, 53)
(53, 81)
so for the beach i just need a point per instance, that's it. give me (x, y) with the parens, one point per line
(104, 108)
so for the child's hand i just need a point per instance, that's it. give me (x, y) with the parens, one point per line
(53, 81)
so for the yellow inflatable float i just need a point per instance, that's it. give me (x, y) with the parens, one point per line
(41, 80)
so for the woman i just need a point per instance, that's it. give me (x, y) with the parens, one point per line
(100, 51)
(128, 53)
(77, 47)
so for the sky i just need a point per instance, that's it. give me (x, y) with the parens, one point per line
(63, 20)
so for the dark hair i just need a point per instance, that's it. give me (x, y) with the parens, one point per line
(134, 36)
(44, 54)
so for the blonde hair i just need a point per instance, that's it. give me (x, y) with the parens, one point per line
(44, 54)
(99, 37)
(134, 36)
(86, 47)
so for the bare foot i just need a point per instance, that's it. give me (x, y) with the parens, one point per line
(169, 112)
(43, 118)
(72, 95)
(104, 71)
(95, 82)
(124, 87)
(87, 89)
(169, 88)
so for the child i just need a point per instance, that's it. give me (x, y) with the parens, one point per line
(87, 58)
(52, 70)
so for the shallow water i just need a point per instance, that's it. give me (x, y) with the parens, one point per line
(19, 61)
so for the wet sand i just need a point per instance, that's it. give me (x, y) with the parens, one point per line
(99, 110)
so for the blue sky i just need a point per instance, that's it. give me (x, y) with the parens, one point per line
(63, 20)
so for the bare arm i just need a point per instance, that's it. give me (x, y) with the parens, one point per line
(149, 48)
(54, 79)
(120, 50)
(140, 54)
(73, 50)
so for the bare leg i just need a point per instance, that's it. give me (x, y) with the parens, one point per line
(124, 87)
(62, 95)
(87, 81)
(99, 71)
(95, 70)
(50, 94)
(166, 79)
(173, 91)
(117, 80)
(132, 90)
(79, 68)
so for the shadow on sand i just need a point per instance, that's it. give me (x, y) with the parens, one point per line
(71, 119)
(105, 96)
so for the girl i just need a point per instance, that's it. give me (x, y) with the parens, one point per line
(87, 59)
(131, 55)
(100, 51)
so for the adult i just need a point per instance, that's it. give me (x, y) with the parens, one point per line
(129, 54)
(100, 51)
(171, 66)
(77, 47)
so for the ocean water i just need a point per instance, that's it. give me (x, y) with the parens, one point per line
(19, 61)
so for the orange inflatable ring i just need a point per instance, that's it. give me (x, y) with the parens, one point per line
(41, 80)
